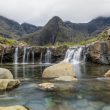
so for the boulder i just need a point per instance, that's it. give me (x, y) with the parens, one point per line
(58, 70)
(107, 74)
(17, 107)
(8, 84)
(57, 86)
(46, 86)
(66, 78)
(5, 74)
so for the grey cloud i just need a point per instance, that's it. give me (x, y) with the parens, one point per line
(38, 12)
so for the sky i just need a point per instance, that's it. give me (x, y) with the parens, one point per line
(38, 12)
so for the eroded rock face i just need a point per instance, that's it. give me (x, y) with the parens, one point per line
(5, 74)
(17, 107)
(59, 70)
(8, 84)
(99, 52)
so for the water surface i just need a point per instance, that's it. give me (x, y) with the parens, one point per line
(91, 92)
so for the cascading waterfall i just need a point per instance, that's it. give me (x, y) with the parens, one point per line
(28, 55)
(41, 58)
(48, 56)
(16, 56)
(75, 55)
(24, 56)
(28, 52)
(33, 57)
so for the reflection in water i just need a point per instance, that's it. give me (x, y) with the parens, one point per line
(80, 69)
(16, 71)
(88, 93)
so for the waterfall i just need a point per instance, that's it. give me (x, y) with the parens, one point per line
(28, 55)
(33, 57)
(75, 55)
(48, 56)
(41, 58)
(16, 56)
(24, 56)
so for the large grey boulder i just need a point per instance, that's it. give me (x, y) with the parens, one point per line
(59, 70)
(5, 74)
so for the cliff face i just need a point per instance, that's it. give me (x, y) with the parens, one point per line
(99, 52)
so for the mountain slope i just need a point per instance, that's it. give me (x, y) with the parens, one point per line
(54, 31)
(12, 29)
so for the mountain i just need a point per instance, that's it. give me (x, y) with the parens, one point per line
(55, 31)
(58, 31)
(12, 29)
(29, 28)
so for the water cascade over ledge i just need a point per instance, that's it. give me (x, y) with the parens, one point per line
(76, 55)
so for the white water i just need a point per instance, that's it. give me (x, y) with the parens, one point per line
(33, 57)
(48, 56)
(16, 56)
(75, 55)
(24, 56)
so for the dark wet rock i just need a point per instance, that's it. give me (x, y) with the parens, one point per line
(99, 52)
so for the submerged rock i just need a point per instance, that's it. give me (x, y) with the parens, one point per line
(107, 74)
(8, 84)
(46, 86)
(5, 74)
(56, 86)
(66, 78)
(17, 107)
(59, 70)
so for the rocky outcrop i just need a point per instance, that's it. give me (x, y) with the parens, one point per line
(17, 107)
(107, 74)
(8, 84)
(59, 70)
(7, 53)
(99, 52)
(5, 74)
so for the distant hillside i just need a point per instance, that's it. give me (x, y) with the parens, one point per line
(55, 31)
(12, 29)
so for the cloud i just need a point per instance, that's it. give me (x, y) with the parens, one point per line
(38, 12)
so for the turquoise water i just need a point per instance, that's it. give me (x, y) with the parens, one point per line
(91, 92)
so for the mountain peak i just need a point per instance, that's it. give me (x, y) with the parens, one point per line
(55, 20)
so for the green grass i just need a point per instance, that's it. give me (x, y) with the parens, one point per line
(6, 41)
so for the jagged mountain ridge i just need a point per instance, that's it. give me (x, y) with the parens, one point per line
(56, 30)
